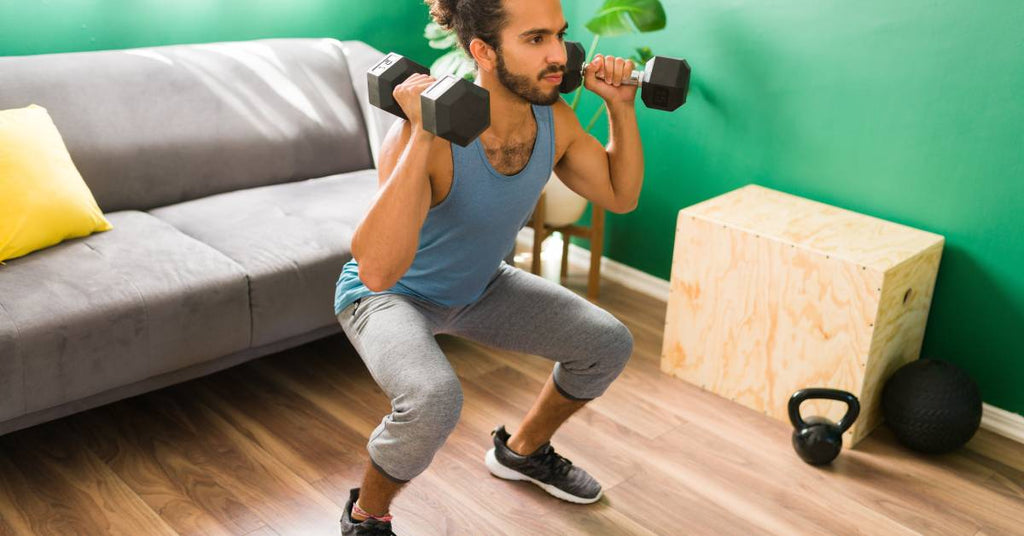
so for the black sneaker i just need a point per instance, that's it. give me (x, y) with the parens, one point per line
(370, 527)
(553, 473)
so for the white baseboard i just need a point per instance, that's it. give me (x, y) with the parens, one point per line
(995, 420)
(1002, 422)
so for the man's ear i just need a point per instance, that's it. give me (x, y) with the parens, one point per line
(485, 55)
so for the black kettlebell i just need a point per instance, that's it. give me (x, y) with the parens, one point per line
(818, 440)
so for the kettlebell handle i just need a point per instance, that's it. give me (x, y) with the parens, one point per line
(853, 406)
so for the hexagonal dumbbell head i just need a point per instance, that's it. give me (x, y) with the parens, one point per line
(456, 109)
(385, 76)
(573, 76)
(665, 83)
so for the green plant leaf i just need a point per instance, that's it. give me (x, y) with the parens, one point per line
(618, 17)
(642, 56)
(440, 38)
(455, 63)
(446, 43)
(434, 31)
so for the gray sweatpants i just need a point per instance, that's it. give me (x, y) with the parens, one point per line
(519, 311)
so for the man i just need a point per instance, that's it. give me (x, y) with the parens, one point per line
(428, 255)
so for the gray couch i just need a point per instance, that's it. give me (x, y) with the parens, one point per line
(234, 175)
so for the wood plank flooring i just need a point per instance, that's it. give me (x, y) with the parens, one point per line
(271, 447)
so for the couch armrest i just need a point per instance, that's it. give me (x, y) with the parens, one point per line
(360, 58)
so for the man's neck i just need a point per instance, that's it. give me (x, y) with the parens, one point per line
(510, 113)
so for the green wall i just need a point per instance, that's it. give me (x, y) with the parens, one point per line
(44, 26)
(908, 111)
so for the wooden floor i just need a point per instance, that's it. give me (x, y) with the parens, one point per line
(271, 447)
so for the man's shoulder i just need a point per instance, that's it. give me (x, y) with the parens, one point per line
(439, 153)
(567, 127)
(562, 113)
(440, 158)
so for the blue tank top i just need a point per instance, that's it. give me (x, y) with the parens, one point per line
(465, 238)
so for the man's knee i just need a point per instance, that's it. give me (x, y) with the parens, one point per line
(615, 341)
(435, 408)
(606, 349)
(622, 348)
(423, 417)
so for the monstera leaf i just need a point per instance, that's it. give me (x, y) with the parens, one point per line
(456, 62)
(438, 37)
(617, 17)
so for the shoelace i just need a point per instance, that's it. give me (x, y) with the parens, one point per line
(558, 464)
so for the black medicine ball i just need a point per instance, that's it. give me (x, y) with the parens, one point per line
(932, 406)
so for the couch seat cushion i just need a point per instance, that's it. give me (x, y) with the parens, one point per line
(95, 313)
(292, 240)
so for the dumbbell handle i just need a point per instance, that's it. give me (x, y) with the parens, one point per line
(635, 77)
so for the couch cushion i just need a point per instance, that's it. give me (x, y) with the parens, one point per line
(292, 240)
(153, 126)
(113, 308)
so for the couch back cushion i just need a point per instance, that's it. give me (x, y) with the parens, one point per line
(154, 126)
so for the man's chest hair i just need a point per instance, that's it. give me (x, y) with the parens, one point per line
(510, 158)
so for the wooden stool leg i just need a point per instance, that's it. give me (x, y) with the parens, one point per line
(596, 250)
(538, 234)
(565, 255)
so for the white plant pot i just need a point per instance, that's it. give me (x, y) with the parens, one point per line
(562, 206)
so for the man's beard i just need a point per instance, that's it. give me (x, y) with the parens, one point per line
(522, 86)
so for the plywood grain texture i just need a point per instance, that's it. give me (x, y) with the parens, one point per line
(771, 293)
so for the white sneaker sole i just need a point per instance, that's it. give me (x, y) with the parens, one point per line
(500, 471)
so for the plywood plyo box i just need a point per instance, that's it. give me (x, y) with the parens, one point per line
(771, 293)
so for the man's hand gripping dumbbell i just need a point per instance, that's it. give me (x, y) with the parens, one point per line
(451, 108)
(664, 82)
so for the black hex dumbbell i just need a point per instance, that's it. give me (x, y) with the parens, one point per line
(453, 108)
(664, 82)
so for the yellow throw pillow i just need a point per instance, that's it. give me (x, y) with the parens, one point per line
(43, 199)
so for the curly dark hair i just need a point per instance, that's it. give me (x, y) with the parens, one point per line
(471, 18)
